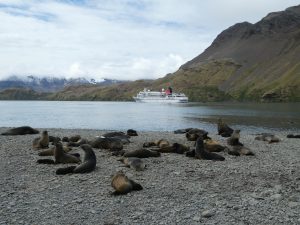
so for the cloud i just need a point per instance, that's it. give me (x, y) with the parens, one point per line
(120, 39)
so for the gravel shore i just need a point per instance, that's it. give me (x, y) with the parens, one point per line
(260, 189)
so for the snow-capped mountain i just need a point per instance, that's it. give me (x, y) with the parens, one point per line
(49, 84)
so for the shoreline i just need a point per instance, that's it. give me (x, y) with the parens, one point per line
(260, 189)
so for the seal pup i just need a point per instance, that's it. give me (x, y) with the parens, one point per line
(132, 132)
(134, 163)
(41, 142)
(21, 131)
(194, 133)
(60, 156)
(201, 153)
(88, 165)
(239, 150)
(123, 185)
(223, 129)
(162, 143)
(142, 153)
(213, 146)
(234, 138)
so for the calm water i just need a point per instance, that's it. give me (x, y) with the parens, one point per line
(147, 117)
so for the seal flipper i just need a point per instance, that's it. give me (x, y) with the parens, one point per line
(45, 161)
(135, 186)
(63, 171)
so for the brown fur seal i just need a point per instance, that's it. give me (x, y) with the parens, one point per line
(162, 143)
(213, 146)
(201, 153)
(239, 150)
(41, 142)
(132, 132)
(88, 165)
(21, 131)
(234, 139)
(175, 148)
(134, 163)
(194, 133)
(270, 138)
(75, 138)
(123, 185)
(60, 156)
(223, 129)
(111, 143)
(50, 151)
(142, 153)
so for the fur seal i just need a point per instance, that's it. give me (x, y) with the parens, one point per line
(123, 185)
(194, 133)
(54, 140)
(81, 141)
(113, 134)
(270, 138)
(201, 153)
(293, 136)
(88, 165)
(132, 132)
(162, 143)
(111, 143)
(41, 142)
(21, 131)
(134, 163)
(239, 150)
(75, 138)
(223, 129)
(175, 148)
(149, 144)
(60, 156)
(182, 131)
(141, 153)
(234, 139)
(213, 146)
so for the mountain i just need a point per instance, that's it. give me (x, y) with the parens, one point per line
(252, 61)
(49, 84)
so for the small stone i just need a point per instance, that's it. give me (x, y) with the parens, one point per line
(196, 218)
(293, 204)
(236, 207)
(276, 197)
(207, 213)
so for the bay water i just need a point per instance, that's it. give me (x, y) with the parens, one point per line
(256, 117)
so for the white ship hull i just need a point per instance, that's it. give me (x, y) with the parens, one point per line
(148, 96)
(162, 100)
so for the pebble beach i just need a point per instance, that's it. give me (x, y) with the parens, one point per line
(260, 189)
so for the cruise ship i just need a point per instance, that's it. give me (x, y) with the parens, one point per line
(163, 96)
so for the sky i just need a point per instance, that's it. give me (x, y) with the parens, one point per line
(115, 39)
